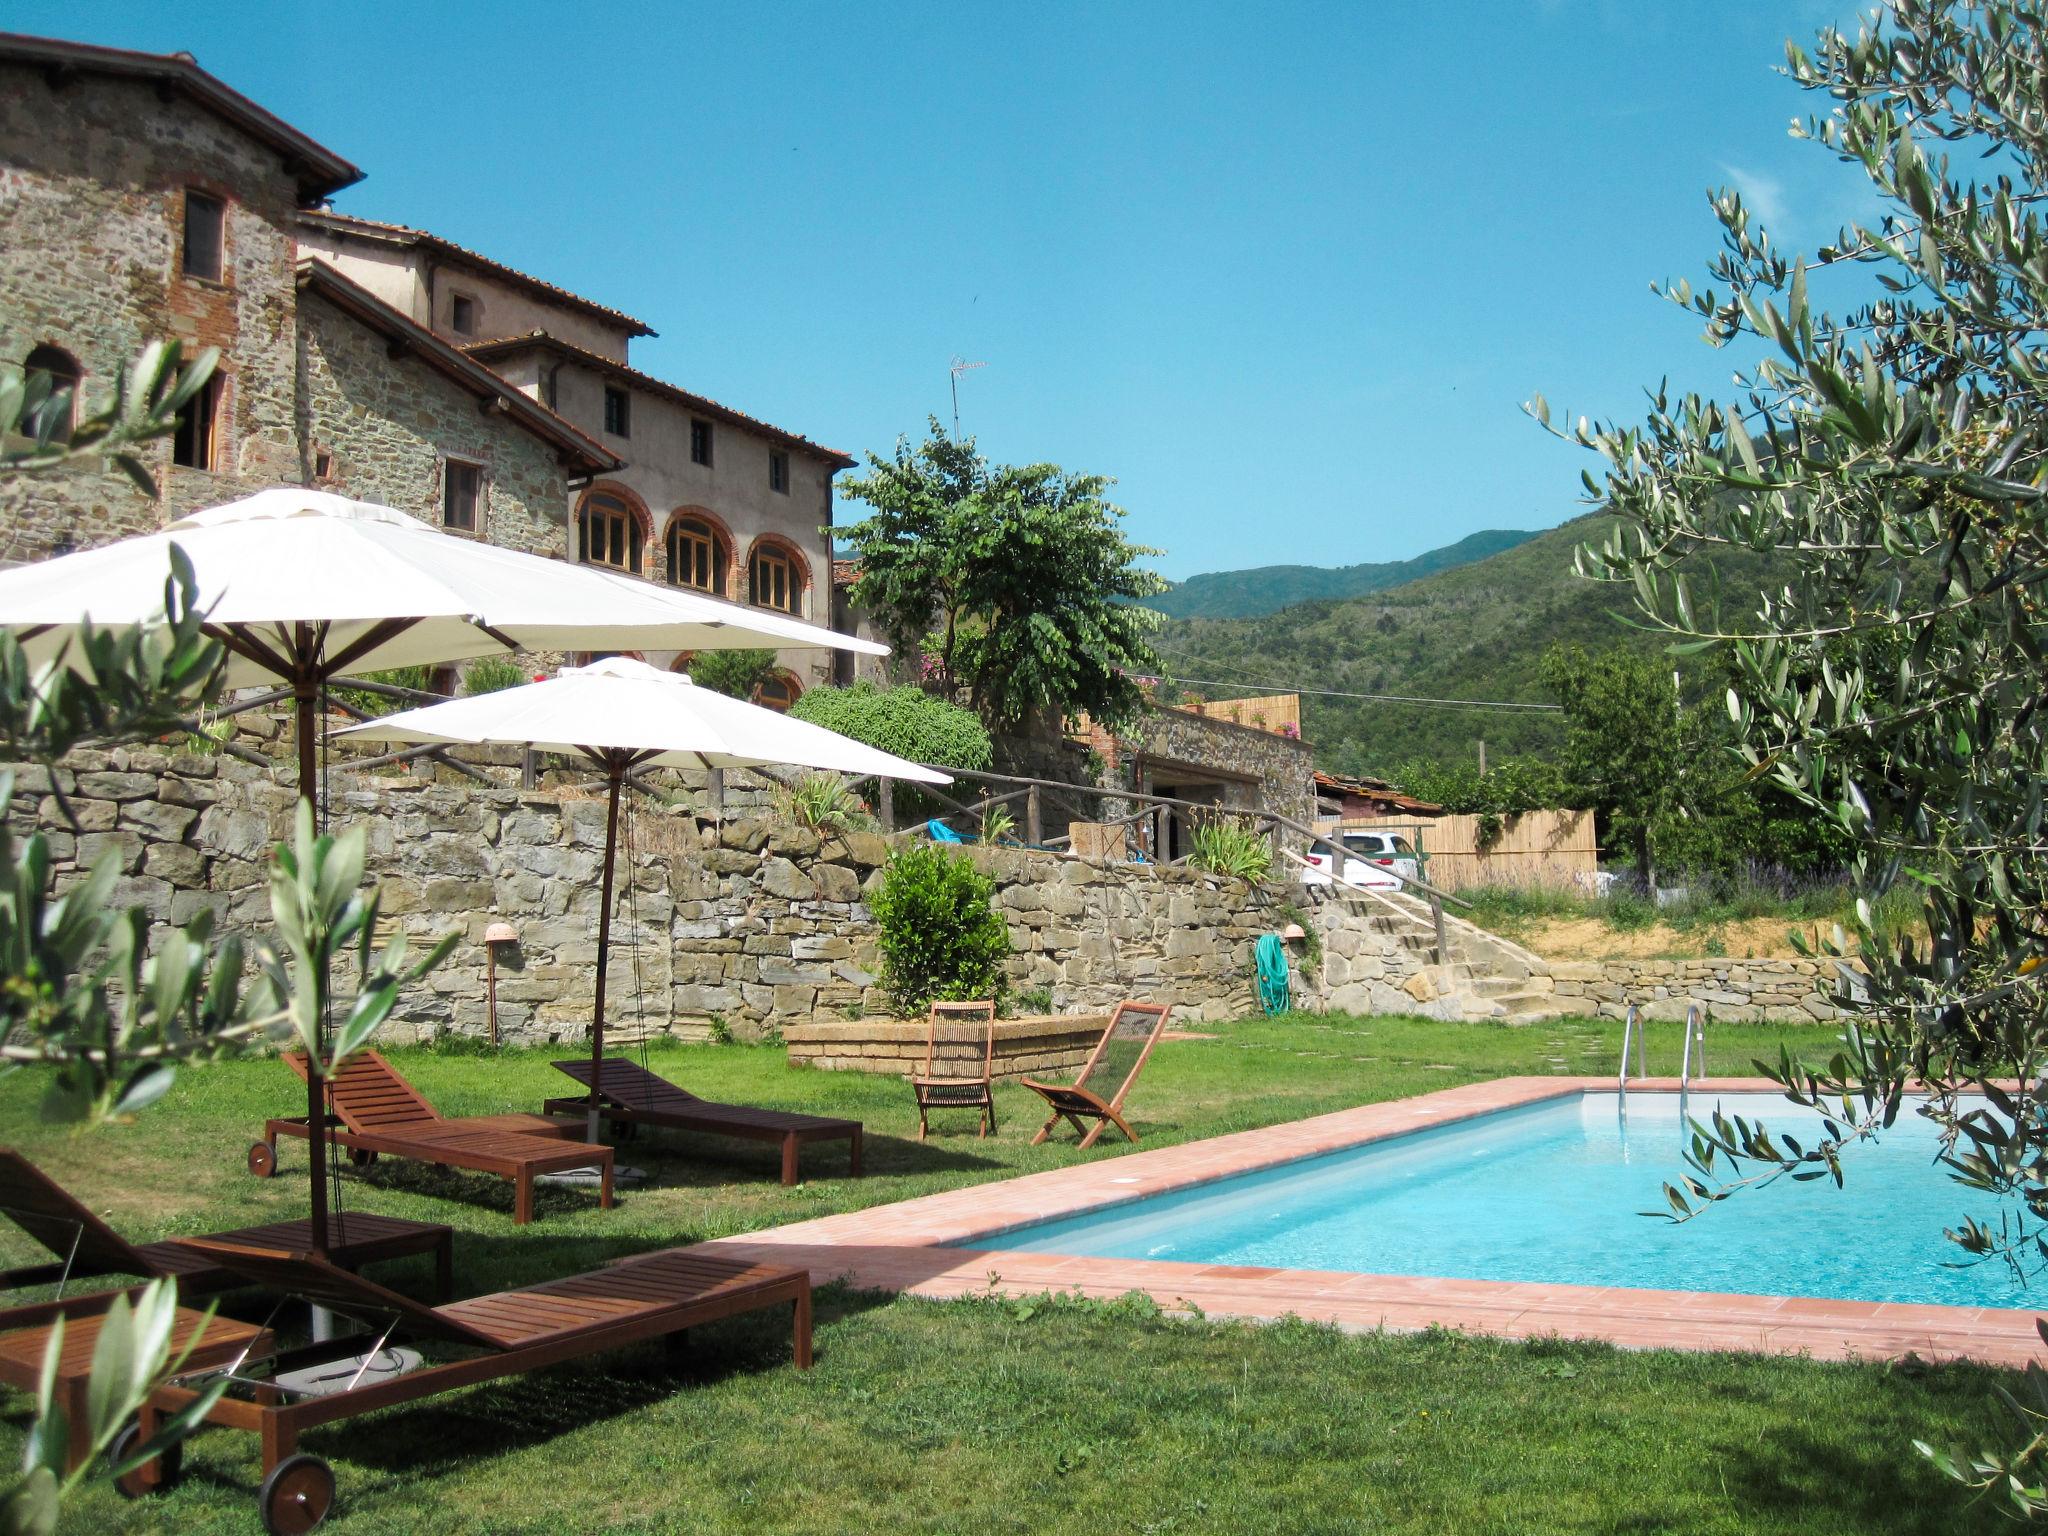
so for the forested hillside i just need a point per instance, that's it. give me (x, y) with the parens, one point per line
(1475, 632)
(1268, 588)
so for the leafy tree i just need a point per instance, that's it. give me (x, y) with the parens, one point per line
(1622, 743)
(1015, 581)
(904, 720)
(1508, 788)
(736, 674)
(1893, 457)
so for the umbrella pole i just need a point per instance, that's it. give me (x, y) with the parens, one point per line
(617, 768)
(304, 690)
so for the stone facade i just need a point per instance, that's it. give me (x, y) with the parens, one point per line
(1739, 991)
(388, 429)
(96, 167)
(93, 174)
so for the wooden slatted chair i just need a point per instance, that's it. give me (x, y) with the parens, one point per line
(1105, 1080)
(959, 1064)
(84, 1247)
(634, 1096)
(378, 1113)
(485, 1338)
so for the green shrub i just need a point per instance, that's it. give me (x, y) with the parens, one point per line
(736, 674)
(905, 720)
(822, 802)
(421, 678)
(1229, 846)
(942, 939)
(491, 674)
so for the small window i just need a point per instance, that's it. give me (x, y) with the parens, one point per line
(773, 580)
(205, 228)
(777, 691)
(194, 443)
(697, 556)
(700, 442)
(323, 464)
(462, 487)
(462, 315)
(618, 411)
(549, 388)
(778, 471)
(607, 533)
(59, 409)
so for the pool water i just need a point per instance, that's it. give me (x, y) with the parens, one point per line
(1553, 1192)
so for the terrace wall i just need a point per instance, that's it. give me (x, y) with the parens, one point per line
(751, 925)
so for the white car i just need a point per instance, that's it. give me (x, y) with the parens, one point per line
(1379, 861)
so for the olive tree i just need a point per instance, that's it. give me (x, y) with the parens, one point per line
(1891, 456)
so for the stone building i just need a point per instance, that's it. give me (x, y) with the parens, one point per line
(142, 199)
(708, 497)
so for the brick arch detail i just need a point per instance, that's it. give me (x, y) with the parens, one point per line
(789, 547)
(735, 566)
(630, 497)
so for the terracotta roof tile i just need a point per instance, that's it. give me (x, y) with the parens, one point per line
(505, 345)
(403, 234)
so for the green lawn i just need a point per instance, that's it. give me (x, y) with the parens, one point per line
(1005, 1416)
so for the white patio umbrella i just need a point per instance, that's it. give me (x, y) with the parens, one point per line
(621, 714)
(302, 586)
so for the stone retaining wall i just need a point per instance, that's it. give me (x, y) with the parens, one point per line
(748, 925)
(1041, 1046)
(1740, 991)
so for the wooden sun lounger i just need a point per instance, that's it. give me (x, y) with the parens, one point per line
(633, 1096)
(377, 1113)
(84, 1247)
(1112, 1068)
(507, 1334)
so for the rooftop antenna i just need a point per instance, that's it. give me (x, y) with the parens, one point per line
(958, 366)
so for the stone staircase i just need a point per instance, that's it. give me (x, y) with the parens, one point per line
(1380, 954)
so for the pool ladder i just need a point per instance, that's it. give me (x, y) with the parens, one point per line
(1695, 1032)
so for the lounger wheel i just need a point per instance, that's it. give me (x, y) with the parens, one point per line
(362, 1157)
(263, 1158)
(296, 1496)
(169, 1464)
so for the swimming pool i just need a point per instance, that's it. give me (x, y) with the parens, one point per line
(1552, 1192)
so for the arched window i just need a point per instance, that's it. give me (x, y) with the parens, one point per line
(608, 533)
(777, 691)
(697, 555)
(63, 372)
(775, 579)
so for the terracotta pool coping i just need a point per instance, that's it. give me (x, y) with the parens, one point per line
(907, 1247)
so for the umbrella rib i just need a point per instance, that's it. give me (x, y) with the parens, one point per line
(368, 641)
(248, 647)
(496, 634)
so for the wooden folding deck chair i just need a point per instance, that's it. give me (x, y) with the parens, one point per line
(959, 1064)
(1112, 1067)
(632, 1096)
(378, 1113)
(84, 1247)
(491, 1337)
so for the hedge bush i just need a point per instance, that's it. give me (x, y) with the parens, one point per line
(904, 720)
(942, 938)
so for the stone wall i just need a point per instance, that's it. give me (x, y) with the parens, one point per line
(390, 426)
(749, 925)
(1739, 991)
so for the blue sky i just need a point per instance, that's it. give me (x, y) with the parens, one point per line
(1286, 271)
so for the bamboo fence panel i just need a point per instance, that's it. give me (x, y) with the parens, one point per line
(1536, 848)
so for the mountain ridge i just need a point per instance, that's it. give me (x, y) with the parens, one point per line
(1264, 589)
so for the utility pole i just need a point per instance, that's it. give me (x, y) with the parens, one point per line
(1482, 757)
(958, 366)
